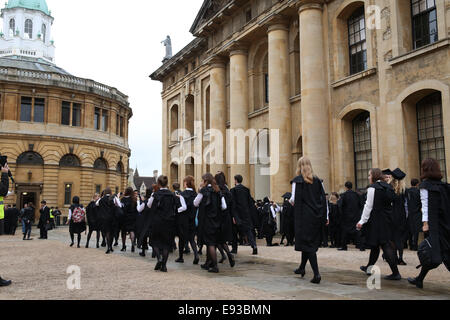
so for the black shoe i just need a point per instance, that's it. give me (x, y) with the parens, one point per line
(222, 260)
(364, 269)
(124, 249)
(316, 279)
(87, 246)
(116, 244)
(179, 260)
(402, 263)
(103, 245)
(205, 266)
(163, 268)
(187, 252)
(255, 251)
(213, 270)
(300, 272)
(133, 249)
(78, 246)
(158, 266)
(5, 283)
(332, 246)
(142, 254)
(234, 251)
(362, 249)
(393, 277)
(196, 260)
(343, 249)
(71, 245)
(98, 246)
(108, 252)
(416, 282)
(231, 260)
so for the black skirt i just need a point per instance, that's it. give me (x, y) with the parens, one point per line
(163, 233)
(77, 227)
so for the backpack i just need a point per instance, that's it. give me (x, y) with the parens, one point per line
(78, 214)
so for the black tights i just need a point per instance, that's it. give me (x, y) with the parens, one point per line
(389, 254)
(89, 237)
(193, 246)
(72, 235)
(109, 240)
(165, 255)
(223, 248)
(212, 256)
(400, 254)
(423, 273)
(124, 238)
(312, 257)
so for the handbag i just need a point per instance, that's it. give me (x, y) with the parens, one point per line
(425, 254)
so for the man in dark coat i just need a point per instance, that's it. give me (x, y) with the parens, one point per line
(243, 205)
(44, 220)
(350, 213)
(11, 218)
(414, 214)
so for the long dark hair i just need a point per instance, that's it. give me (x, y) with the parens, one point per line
(129, 192)
(190, 182)
(431, 170)
(209, 179)
(221, 180)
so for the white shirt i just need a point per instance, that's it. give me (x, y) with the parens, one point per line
(292, 200)
(368, 206)
(117, 202)
(183, 207)
(424, 198)
(199, 199)
(275, 210)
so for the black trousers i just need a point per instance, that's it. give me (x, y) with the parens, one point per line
(43, 233)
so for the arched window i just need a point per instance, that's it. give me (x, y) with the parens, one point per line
(69, 160)
(431, 130)
(362, 142)
(29, 28)
(12, 27)
(100, 164)
(190, 115)
(357, 41)
(173, 134)
(119, 168)
(30, 158)
(190, 169)
(44, 32)
(424, 21)
(208, 109)
(173, 173)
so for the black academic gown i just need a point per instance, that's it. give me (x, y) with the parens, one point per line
(242, 209)
(211, 216)
(226, 220)
(414, 211)
(379, 228)
(107, 214)
(268, 224)
(92, 214)
(129, 215)
(399, 231)
(166, 204)
(191, 212)
(438, 220)
(350, 211)
(310, 212)
(144, 224)
(288, 220)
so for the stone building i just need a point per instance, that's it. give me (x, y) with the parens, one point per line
(63, 135)
(139, 183)
(352, 84)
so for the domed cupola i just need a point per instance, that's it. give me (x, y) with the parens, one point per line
(27, 30)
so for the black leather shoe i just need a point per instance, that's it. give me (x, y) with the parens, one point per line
(179, 260)
(133, 249)
(342, 249)
(205, 266)
(196, 260)
(5, 283)
(98, 246)
(124, 249)
(71, 245)
(416, 282)
(301, 272)
(158, 265)
(231, 260)
(108, 252)
(234, 251)
(142, 254)
(163, 268)
(393, 277)
(87, 246)
(364, 269)
(316, 280)
(255, 251)
(213, 270)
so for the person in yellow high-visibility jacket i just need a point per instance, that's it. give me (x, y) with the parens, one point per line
(52, 219)
(4, 186)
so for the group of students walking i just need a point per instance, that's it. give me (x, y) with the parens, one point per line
(215, 216)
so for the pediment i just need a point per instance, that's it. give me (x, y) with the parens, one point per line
(207, 11)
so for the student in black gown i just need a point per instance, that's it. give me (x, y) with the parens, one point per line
(377, 216)
(414, 214)
(226, 223)
(128, 226)
(334, 220)
(182, 226)
(211, 203)
(350, 213)
(287, 214)
(166, 204)
(77, 220)
(144, 221)
(435, 197)
(243, 204)
(310, 212)
(269, 222)
(189, 194)
(107, 212)
(400, 220)
(93, 219)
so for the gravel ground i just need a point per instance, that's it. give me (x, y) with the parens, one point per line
(38, 269)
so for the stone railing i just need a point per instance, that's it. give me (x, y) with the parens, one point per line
(63, 81)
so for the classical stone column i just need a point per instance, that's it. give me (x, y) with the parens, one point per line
(315, 117)
(218, 112)
(279, 109)
(50, 191)
(238, 113)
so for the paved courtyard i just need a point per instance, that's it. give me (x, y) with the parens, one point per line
(38, 270)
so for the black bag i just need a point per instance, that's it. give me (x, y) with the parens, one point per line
(424, 253)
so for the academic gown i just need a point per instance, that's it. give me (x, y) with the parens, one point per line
(268, 226)
(310, 212)
(379, 228)
(243, 204)
(144, 224)
(92, 214)
(439, 220)
(399, 231)
(166, 204)
(226, 221)
(129, 215)
(107, 214)
(211, 217)
(350, 211)
(288, 220)
(414, 211)
(334, 218)
(191, 212)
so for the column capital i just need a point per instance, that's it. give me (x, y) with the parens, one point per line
(238, 48)
(310, 4)
(278, 22)
(217, 62)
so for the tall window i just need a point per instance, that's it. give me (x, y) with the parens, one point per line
(44, 32)
(424, 20)
(357, 41)
(121, 126)
(67, 194)
(97, 116)
(363, 148)
(76, 115)
(65, 113)
(105, 120)
(29, 28)
(431, 130)
(71, 114)
(12, 27)
(25, 109)
(98, 188)
(39, 110)
(266, 88)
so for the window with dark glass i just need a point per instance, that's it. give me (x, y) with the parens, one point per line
(65, 113)
(98, 188)
(76, 115)
(117, 125)
(67, 194)
(39, 110)
(266, 88)
(97, 114)
(12, 27)
(29, 28)
(431, 130)
(100, 164)
(424, 22)
(362, 144)
(357, 41)
(44, 32)
(104, 120)
(121, 126)
(248, 15)
(25, 109)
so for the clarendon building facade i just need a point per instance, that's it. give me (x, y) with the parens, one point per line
(64, 136)
(350, 84)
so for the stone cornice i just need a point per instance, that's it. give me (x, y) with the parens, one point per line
(310, 5)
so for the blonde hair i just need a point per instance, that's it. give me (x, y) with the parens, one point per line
(399, 186)
(305, 169)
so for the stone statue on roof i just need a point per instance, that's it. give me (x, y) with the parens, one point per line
(168, 44)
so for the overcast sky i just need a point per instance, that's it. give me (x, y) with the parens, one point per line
(117, 43)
